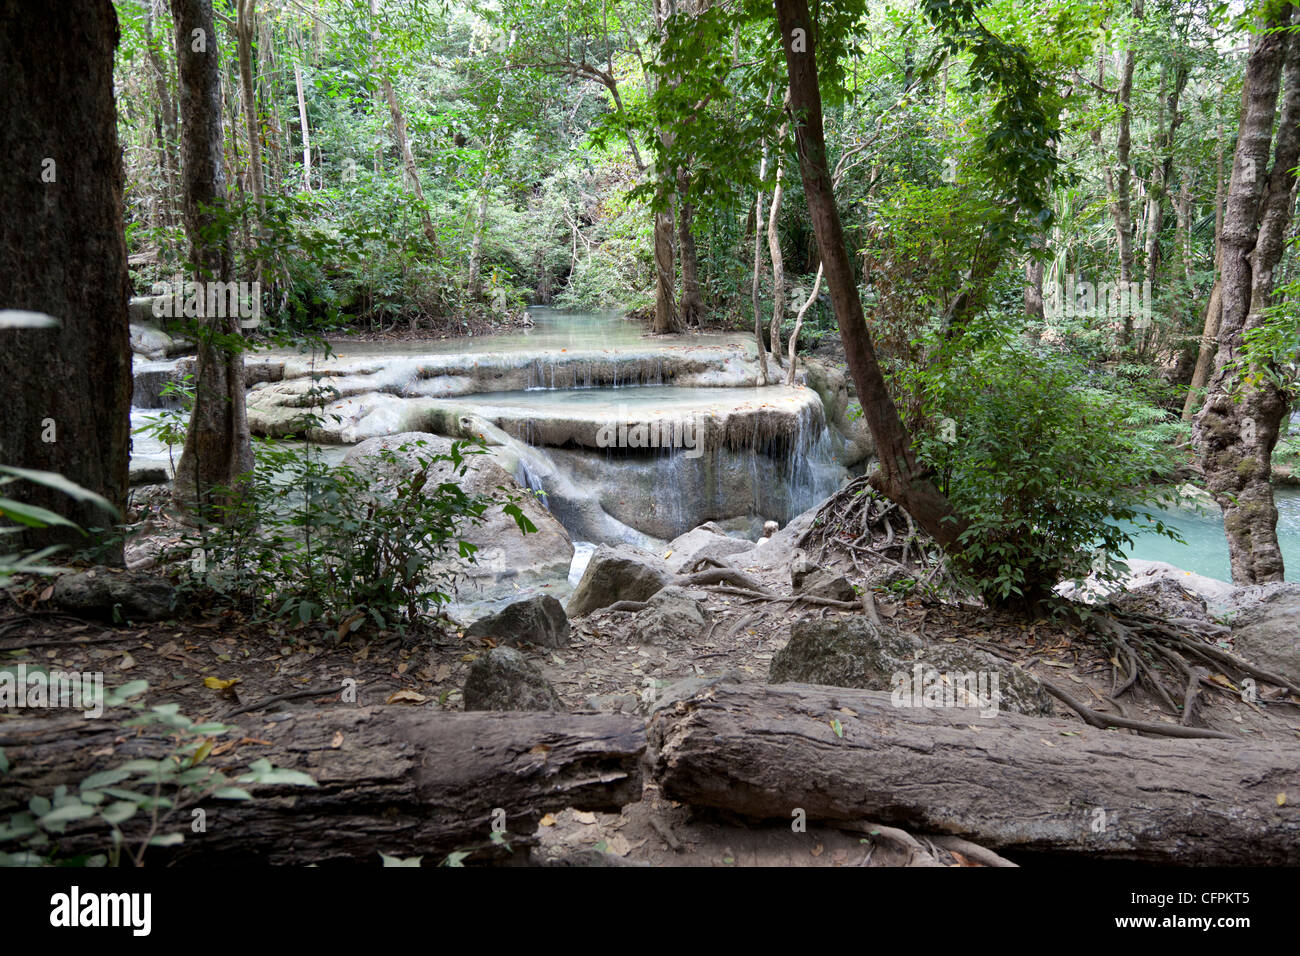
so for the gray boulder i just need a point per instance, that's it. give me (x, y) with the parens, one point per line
(619, 573)
(536, 620)
(109, 595)
(1268, 633)
(673, 615)
(1161, 597)
(706, 541)
(852, 652)
(503, 680)
(825, 583)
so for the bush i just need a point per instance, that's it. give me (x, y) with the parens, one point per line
(1041, 465)
(308, 540)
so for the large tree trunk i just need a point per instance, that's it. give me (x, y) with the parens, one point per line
(67, 390)
(899, 476)
(767, 751)
(667, 318)
(692, 304)
(1236, 430)
(244, 20)
(396, 780)
(218, 450)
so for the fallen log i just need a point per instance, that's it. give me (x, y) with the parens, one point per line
(404, 781)
(1012, 783)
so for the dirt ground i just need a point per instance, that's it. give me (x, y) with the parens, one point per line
(606, 667)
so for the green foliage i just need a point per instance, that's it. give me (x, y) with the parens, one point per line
(17, 515)
(162, 789)
(1039, 462)
(306, 540)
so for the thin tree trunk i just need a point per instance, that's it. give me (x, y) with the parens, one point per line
(67, 390)
(1213, 310)
(244, 20)
(306, 130)
(757, 278)
(1118, 182)
(218, 451)
(798, 323)
(778, 261)
(167, 113)
(899, 477)
(1236, 430)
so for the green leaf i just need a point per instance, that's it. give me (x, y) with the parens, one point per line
(119, 811)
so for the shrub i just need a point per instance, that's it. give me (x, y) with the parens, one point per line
(1040, 464)
(308, 540)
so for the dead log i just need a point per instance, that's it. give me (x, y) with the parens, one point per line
(405, 781)
(1013, 783)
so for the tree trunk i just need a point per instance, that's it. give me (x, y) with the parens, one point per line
(899, 476)
(798, 324)
(1118, 182)
(778, 261)
(404, 148)
(692, 305)
(218, 450)
(67, 390)
(167, 113)
(1237, 428)
(1213, 309)
(404, 781)
(306, 129)
(244, 19)
(768, 751)
(667, 318)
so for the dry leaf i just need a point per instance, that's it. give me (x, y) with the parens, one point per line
(337, 742)
(547, 821)
(817, 850)
(216, 683)
(584, 816)
(406, 697)
(1281, 799)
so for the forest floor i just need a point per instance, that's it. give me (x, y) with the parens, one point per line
(606, 667)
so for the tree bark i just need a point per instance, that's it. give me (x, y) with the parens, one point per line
(778, 261)
(1213, 309)
(399, 780)
(1237, 428)
(767, 751)
(306, 128)
(167, 114)
(692, 304)
(1118, 181)
(67, 390)
(218, 450)
(899, 477)
(667, 318)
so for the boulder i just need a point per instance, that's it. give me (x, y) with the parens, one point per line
(673, 615)
(536, 620)
(502, 679)
(706, 541)
(150, 341)
(113, 596)
(826, 583)
(618, 573)
(1268, 633)
(505, 554)
(852, 652)
(1161, 597)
